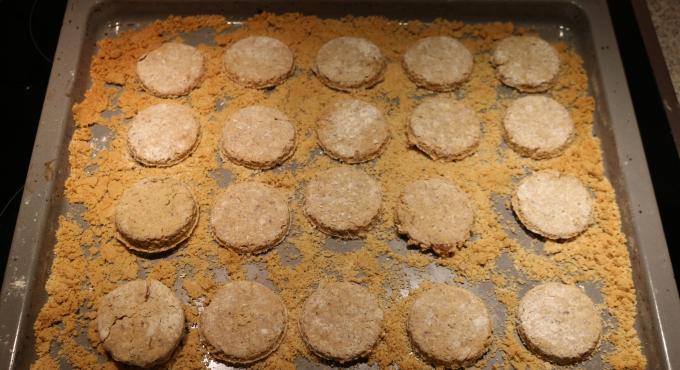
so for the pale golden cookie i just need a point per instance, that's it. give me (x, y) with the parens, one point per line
(352, 131)
(163, 135)
(140, 323)
(347, 63)
(250, 217)
(342, 201)
(171, 70)
(444, 129)
(244, 322)
(436, 214)
(553, 205)
(527, 63)
(559, 322)
(449, 326)
(258, 137)
(341, 321)
(538, 127)
(155, 215)
(258, 62)
(438, 63)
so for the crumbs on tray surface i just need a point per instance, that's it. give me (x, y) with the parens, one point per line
(89, 262)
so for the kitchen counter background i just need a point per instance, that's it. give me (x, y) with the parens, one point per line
(666, 18)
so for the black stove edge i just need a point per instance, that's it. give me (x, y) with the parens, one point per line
(656, 110)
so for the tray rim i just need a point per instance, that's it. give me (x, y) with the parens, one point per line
(39, 200)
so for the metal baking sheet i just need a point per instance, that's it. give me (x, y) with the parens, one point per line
(584, 24)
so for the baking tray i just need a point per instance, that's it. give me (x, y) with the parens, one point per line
(584, 24)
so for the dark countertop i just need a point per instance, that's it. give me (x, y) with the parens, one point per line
(33, 29)
(666, 19)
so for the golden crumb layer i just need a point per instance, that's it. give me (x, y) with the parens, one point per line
(90, 262)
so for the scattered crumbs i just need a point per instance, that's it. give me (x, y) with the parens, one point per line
(93, 258)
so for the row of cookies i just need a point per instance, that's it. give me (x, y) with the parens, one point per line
(354, 131)
(438, 63)
(156, 214)
(350, 130)
(142, 322)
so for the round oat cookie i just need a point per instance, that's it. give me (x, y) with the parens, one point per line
(342, 201)
(171, 70)
(527, 63)
(538, 127)
(435, 213)
(163, 135)
(244, 322)
(155, 215)
(250, 217)
(258, 137)
(352, 131)
(444, 129)
(140, 323)
(559, 323)
(258, 62)
(449, 326)
(553, 205)
(347, 63)
(438, 63)
(341, 321)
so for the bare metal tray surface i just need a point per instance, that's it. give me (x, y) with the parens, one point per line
(589, 30)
